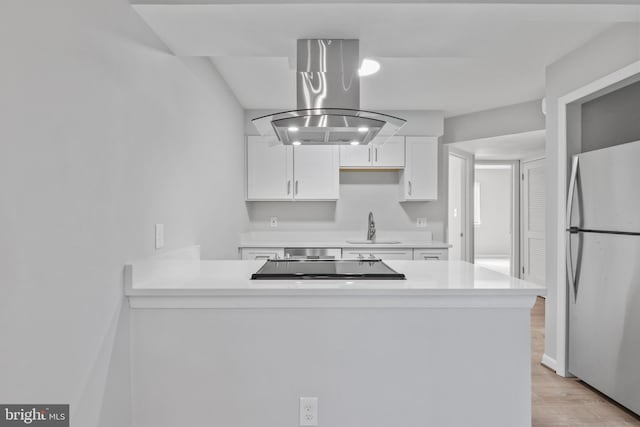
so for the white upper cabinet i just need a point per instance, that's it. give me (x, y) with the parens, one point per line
(316, 172)
(387, 155)
(390, 154)
(281, 172)
(355, 156)
(420, 177)
(269, 170)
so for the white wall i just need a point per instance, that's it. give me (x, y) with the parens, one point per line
(103, 134)
(612, 50)
(507, 120)
(493, 234)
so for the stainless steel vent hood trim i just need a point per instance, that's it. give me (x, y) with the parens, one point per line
(328, 96)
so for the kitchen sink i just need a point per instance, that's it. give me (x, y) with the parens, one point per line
(374, 242)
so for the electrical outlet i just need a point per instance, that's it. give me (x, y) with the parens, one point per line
(308, 411)
(273, 221)
(159, 236)
(421, 222)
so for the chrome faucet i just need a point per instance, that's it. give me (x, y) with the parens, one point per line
(371, 230)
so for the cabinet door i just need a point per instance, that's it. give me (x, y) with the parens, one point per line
(316, 172)
(355, 156)
(430, 254)
(420, 178)
(390, 154)
(269, 170)
(368, 253)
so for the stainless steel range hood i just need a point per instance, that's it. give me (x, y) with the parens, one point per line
(328, 89)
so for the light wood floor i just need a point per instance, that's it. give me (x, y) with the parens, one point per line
(566, 402)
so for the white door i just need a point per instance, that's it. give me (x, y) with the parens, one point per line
(269, 170)
(316, 172)
(533, 221)
(390, 154)
(421, 168)
(456, 208)
(355, 156)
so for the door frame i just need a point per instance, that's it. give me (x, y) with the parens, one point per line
(522, 210)
(467, 210)
(515, 211)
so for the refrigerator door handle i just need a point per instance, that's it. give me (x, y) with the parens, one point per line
(570, 273)
(572, 189)
(571, 230)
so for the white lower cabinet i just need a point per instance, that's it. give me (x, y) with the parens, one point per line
(430, 254)
(359, 253)
(375, 253)
(262, 253)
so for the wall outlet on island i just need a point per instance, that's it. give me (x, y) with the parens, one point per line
(421, 222)
(273, 221)
(308, 411)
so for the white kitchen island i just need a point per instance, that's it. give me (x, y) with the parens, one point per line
(449, 346)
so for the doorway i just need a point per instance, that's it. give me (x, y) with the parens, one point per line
(496, 216)
(456, 207)
(533, 220)
(460, 174)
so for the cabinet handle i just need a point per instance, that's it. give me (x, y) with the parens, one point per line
(410, 189)
(431, 257)
(376, 155)
(369, 159)
(296, 190)
(289, 187)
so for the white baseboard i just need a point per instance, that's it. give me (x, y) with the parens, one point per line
(549, 362)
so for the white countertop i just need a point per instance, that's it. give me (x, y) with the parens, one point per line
(407, 244)
(230, 282)
(339, 239)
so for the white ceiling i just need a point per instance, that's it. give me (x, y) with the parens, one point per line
(526, 145)
(458, 58)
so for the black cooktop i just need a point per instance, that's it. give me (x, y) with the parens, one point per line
(326, 269)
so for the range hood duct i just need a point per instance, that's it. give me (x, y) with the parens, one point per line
(328, 96)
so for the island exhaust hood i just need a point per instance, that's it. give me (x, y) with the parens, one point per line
(328, 92)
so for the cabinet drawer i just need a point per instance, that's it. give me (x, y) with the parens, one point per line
(430, 254)
(262, 253)
(365, 253)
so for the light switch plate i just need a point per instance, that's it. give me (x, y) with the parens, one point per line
(421, 222)
(159, 236)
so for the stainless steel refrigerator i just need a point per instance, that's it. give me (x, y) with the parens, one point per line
(603, 269)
